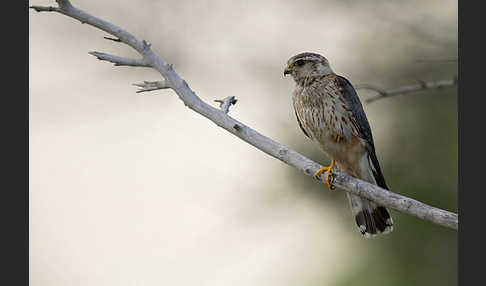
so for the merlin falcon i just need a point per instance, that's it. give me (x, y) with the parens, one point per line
(330, 113)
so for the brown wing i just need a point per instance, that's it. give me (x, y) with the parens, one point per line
(361, 123)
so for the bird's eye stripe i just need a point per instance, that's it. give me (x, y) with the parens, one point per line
(299, 62)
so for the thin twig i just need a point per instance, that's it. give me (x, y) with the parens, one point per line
(152, 85)
(405, 89)
(263, 143)
(437, 60)
(113, 39)
(119, 61)
(44, 8)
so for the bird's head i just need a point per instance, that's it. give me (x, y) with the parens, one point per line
(305, 65)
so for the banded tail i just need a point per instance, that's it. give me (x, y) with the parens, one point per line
(370, 218)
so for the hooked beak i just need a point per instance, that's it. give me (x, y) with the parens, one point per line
(287, 70)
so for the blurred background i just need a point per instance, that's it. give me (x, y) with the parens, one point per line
(136, 189)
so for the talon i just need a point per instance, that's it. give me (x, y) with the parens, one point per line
(328, 181)
(336, 138)
(328, 173)
(320, 171)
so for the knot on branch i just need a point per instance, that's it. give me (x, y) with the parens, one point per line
(225, 103)
(146, 46)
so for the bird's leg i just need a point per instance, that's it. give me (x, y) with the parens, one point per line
(328, 169)
(336, 138)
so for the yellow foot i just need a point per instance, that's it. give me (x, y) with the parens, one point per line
(328, 169)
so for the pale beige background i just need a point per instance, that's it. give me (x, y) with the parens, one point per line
(129, 189)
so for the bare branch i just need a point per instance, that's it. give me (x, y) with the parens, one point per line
(119, 61)
(152, 85)
(225, 103)
(405, 89)
(263, 143)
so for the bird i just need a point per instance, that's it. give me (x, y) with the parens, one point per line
(329, 112)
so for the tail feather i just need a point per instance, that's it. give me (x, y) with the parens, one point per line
(370, 218)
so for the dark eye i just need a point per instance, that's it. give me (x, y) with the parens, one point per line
(299, 63)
